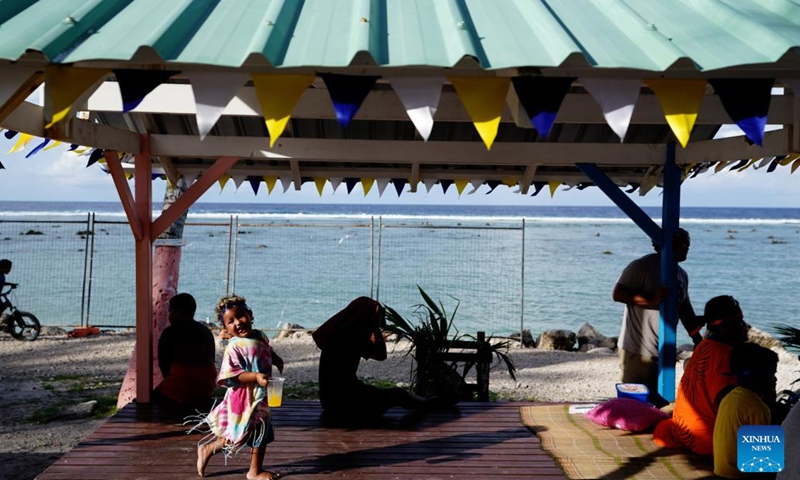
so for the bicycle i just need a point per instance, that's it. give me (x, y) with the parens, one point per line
(21, 325)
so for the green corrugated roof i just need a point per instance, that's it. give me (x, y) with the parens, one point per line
(638, 34)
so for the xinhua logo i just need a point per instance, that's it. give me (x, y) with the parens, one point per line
(760, 448)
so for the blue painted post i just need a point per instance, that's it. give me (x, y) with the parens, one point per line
(670, 217)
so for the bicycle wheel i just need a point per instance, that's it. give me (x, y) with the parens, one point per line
(25, 326)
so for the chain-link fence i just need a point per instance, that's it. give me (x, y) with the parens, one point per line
(78, 273)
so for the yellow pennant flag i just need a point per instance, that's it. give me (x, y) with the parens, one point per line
(789, 159)
(795, 165)
(366, 183)
(553, 184)
(270, 181)
(680, 100)
(461, 185)
(80, 151)
(720, 165)
(277, 95)
(128, 175)
(65, 85)
(22, 142)
(509, 182)
(687, 169)
(483, 98)
(54, 145)
(222, 181)
(320, 183)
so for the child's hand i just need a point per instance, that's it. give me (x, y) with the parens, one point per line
(261, 379)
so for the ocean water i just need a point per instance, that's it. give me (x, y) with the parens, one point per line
(504, 267)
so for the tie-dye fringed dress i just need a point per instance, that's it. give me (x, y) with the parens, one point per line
(242, 418)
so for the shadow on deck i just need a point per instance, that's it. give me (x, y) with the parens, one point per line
(473, 440)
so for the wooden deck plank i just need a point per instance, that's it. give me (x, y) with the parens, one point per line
(471, 441)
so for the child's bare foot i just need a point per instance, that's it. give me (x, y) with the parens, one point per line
(262, 475)
(204, 453)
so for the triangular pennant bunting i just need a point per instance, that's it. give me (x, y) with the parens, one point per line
(399, 184)
(537, 187)
(222, 181)
(680, 101)
(541, 98)
(795, 165)
(483, 98)
(134, 85)
(285, 183)
(238, 180)
(616, 97)
(366, 184)
(445, 184)
(64, 86)
(347, 93)
(476, 184)
(553, 184)
(382, 183)
(335, 182)
(54, 145)
(22, 142)
(38, 148)
(460, 185)
(278, 95)
(350, 183)
(213, 92)
(270, 181)
(429, 183)
(747, 102)
(320, 183)
(492, 185)
(96, 155)
(420, 97)
(255, 183)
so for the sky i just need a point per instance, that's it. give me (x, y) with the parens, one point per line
(58, 175)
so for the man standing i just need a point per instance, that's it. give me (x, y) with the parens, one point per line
(639, 288)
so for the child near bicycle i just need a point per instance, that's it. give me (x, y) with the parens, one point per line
(5, 268)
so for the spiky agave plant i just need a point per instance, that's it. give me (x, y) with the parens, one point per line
(790, 337)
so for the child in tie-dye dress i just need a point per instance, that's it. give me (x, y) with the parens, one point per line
(242, 418)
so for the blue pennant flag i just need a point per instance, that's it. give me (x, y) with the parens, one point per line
(541, 98)
(9, 134)
(747, 102)
(96, 155)
(445, 185)
(38, 148)
(2, 167)
(492, 185)
(634, 187)
(537, 187)
(350, 183)
(741, 163)
(399, 184)
(255, 182)
(134, 85)
(775, 162)
(73, 146)
(347, 92)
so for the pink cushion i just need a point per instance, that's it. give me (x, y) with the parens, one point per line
(626, 414)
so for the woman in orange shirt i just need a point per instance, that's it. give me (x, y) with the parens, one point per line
(704, 380)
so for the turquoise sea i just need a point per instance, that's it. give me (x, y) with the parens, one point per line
(302, 263)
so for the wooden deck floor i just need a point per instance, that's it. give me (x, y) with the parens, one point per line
(473, 441)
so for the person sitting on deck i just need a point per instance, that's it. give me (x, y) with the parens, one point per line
(186, 357)
(754, 368)
(344, 339)
(704, 382)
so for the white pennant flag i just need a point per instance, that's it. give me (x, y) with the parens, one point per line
(476, 184)
(335, 182)
(429, 183)
(285, 182)
(212, 93)
(616, 98)
(763, 162)
(420, 97)
(382, 182)
(238, 179)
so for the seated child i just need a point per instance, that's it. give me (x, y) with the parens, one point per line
(747, 404)
(698, 396)
(186, 357)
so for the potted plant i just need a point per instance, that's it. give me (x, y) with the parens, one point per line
(432, 334)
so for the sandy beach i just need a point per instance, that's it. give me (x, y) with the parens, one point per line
(41, 380)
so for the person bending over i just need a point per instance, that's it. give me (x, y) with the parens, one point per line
(639, 288)
(754, 368)
(344, 339)
(704, 381)
(186, 357)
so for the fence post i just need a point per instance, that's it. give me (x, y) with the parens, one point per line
(378, 280)
(522, 286)
(228, 265)
(85, 265)
(91, 271)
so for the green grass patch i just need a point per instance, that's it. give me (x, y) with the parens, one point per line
(42, 415)
(302, 391)
(64, 378)
(106, 406)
